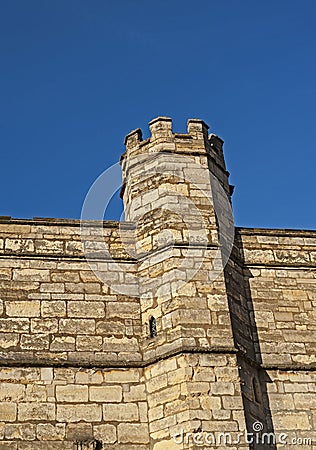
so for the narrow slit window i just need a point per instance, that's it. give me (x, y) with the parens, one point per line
(256, 390)
(152, 327)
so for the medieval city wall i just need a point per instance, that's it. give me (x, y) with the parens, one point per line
(79, 366)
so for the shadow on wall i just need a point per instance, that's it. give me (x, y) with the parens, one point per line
(88, 445)
(254, 379)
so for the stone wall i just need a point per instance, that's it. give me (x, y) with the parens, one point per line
(280, 271)
(79, 368)
(54, 309)
(53, 408)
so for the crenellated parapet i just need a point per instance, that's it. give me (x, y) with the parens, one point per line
(196, 139)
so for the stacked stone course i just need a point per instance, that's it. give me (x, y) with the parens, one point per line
(78, 366)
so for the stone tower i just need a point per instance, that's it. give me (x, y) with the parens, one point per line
(172, 330)
(169, 193)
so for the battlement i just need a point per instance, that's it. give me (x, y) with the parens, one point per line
(196, 140)
(161, 128)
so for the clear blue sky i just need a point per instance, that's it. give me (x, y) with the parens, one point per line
(77, 75)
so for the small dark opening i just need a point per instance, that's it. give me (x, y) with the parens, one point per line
(256, 390)
(152, 327)
(94, 444)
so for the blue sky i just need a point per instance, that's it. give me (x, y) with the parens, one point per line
(76, 76)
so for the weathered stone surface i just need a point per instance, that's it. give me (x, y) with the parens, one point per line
(106, 394)
(49, 432)
(126, 412)
(24, 432)
(105, 433)
(134, 433)
(86, 309)
(54, 308)
(8, 411)
(72, 393)
(23, 308)
(89, 352)
(36, 411)
(79, 412)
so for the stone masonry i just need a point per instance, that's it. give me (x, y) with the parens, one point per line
(172, 335)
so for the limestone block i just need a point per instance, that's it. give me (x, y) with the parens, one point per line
(48, 445)
(27, 308)
(227, 373)
(8, 340)
(123, 310)
(90, 376)
(36, 411)
(46, 246)
(89, 343)
(305, 401)
(31, 275)
(89, 288)
(11, 392)
(105, 433)
(44, 325)
(221, 414)
(73, 248)
(5, 274)
(156, 413)
(105, 394)
(72, 393)
(19, 245)
(164, 396)
(35, 393)
(122, 376)
(222, 388)
(87, 276)
(53, 308)
(157, 383)
(20, 375)
(89, 412)
(211, 403)
(195, 387)
(120, 345)
(85, 309)
(35, 341)
(52, 287)
(136, 393)
(205, 374)
(164, 424)
(63, 343)
(281, 401)
(67, 276)
(232, 402)
(77, 326)
(133, 433)
(170, 444)
(161, 367)
(291, 421)
(49, 432)
(8, 411)
(124, 412)
(79, 431)
(296, 387)
(24, 432)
